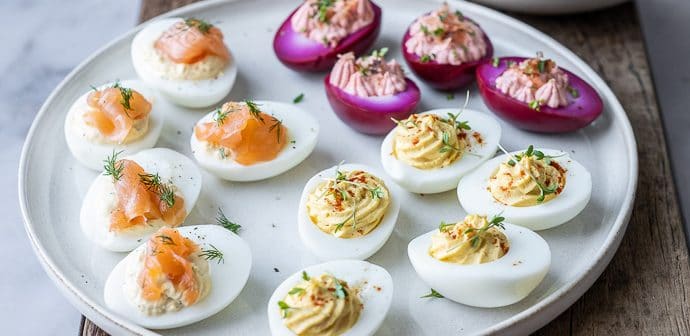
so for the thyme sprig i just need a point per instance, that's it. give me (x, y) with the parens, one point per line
(433, 294)
(496, 221)
(112, 166)
(212, 254)
(223, 221)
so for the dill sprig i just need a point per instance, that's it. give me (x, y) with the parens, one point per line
(254, 110)
(277, 126)
(212, 254)
(126, 94)
(167, 194)
(496, 221)
(223, 221)
(200, 24)
(219, 116)
(166, 240)
(153, 182)
(432, 294)
(112, 166)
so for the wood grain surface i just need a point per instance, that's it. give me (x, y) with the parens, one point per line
(646, 288)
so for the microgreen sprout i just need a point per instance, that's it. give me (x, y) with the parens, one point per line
(496, 221)
(433, 294)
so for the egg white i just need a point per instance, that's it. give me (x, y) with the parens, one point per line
(329, 247)
(302, 128)
(91, 154)
(227, 280)
(430, 181)
(501, 282)
(95, 211)
(376, 293)
(475, 198)
(188, 93)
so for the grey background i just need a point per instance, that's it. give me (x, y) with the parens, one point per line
(42, 41)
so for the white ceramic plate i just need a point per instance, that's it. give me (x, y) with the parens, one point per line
(51, 183)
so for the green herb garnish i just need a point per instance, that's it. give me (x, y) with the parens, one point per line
(323, 6)
(438, 32)
(433, 294)
(296, 290)
(573, 92)
(298, 99)
(495, 61)
(443, 226)
(496, 221)
(166, 240)
(254, 110)
(223, 221)
(212, 254)
(202, 25)
(277, 126)
(305, 276)
(219, 116)
(112, 167)
(284, 308)
(535, 105)
(340, 291)
(425, 59)
(379, 53)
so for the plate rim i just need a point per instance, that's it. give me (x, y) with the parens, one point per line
(526, 321)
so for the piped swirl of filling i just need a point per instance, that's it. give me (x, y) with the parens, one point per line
(330, 21)
(144, 199)
(119, 114)
(427, 141)
(243, 133)
(528, 182)
(350, 205)
(321, 305)
(368, 76)
(536, 82)
(190, 50)
(475, 240)
(446, 37)
(168, 275)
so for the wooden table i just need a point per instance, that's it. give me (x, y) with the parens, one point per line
(646, 288)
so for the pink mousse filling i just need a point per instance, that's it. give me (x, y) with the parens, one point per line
(368, 76)
(329, 22)
(535, 81)
(446, 37)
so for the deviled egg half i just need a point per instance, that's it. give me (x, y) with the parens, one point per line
(185, 59)
(249, 141)
(536, 188)
(124, 116)
(430, 152)
(347, 212)
(481, 262)
(342, 297)
(138, 194)
(179, 276)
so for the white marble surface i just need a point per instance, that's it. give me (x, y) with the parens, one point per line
(43, 41)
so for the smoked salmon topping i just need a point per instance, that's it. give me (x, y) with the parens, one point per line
(168, 255)
(191, 41)
(115, 111)
(244, 133)
(143, 197)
